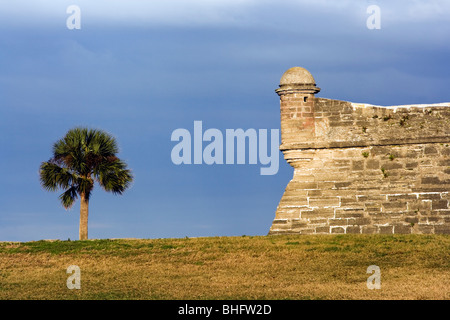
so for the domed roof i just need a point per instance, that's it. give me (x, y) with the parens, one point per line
(297, 75)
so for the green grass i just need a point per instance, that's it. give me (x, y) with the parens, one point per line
(259, 267)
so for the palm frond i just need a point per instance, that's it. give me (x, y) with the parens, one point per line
(114, 176)
(52, 176)
(68, 197)
(85, 185)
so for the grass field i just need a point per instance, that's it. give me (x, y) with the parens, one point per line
(260, 267)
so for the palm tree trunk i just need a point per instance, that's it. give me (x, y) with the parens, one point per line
(84, 213)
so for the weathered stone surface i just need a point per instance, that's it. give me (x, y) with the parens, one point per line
(386, 229)
(337, 230)
(369, 229)
(405, 229)
(353, 229)
(361, 168)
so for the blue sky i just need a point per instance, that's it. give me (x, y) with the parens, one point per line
(141, 69)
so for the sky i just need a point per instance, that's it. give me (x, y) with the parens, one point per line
(142, 69)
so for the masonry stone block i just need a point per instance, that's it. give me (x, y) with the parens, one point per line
(402, 229)
(353, 229)
(337, 230)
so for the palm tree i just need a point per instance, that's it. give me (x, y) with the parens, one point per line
(80, 158)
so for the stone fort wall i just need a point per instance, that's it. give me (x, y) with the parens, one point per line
(361, 168)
